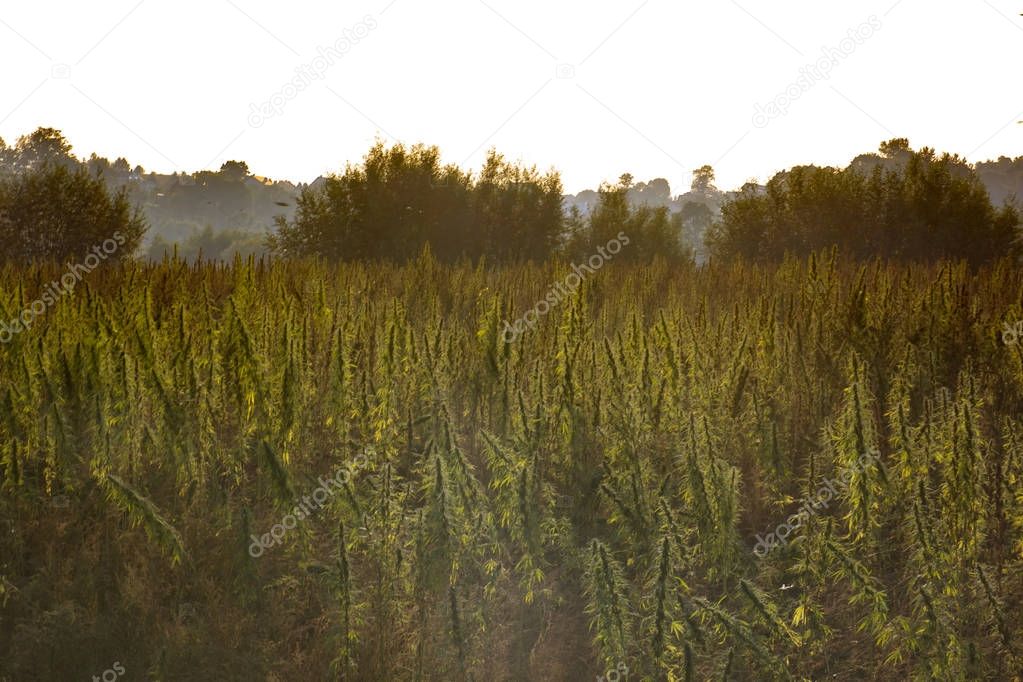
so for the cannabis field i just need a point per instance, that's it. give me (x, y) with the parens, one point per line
(614, 494)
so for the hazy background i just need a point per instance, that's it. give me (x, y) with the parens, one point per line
(659, 87)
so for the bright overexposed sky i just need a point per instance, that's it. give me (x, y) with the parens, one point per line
(651, 87)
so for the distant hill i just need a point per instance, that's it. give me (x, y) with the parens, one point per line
(189, 210)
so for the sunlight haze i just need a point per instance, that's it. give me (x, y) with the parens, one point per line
(653, 88)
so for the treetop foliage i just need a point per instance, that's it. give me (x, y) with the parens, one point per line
(58, 212)
(906, 205)
(402, 198)
(650, 229)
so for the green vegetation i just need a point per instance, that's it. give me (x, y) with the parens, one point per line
(208, 244)
(399, 200)
(650, 228)
(905, 205)
(57, 212)
(899, 204)
(194, 211)
(584, 499)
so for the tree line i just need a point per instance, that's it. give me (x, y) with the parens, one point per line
(401, 200)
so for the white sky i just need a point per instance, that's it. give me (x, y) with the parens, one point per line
(659, 88)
